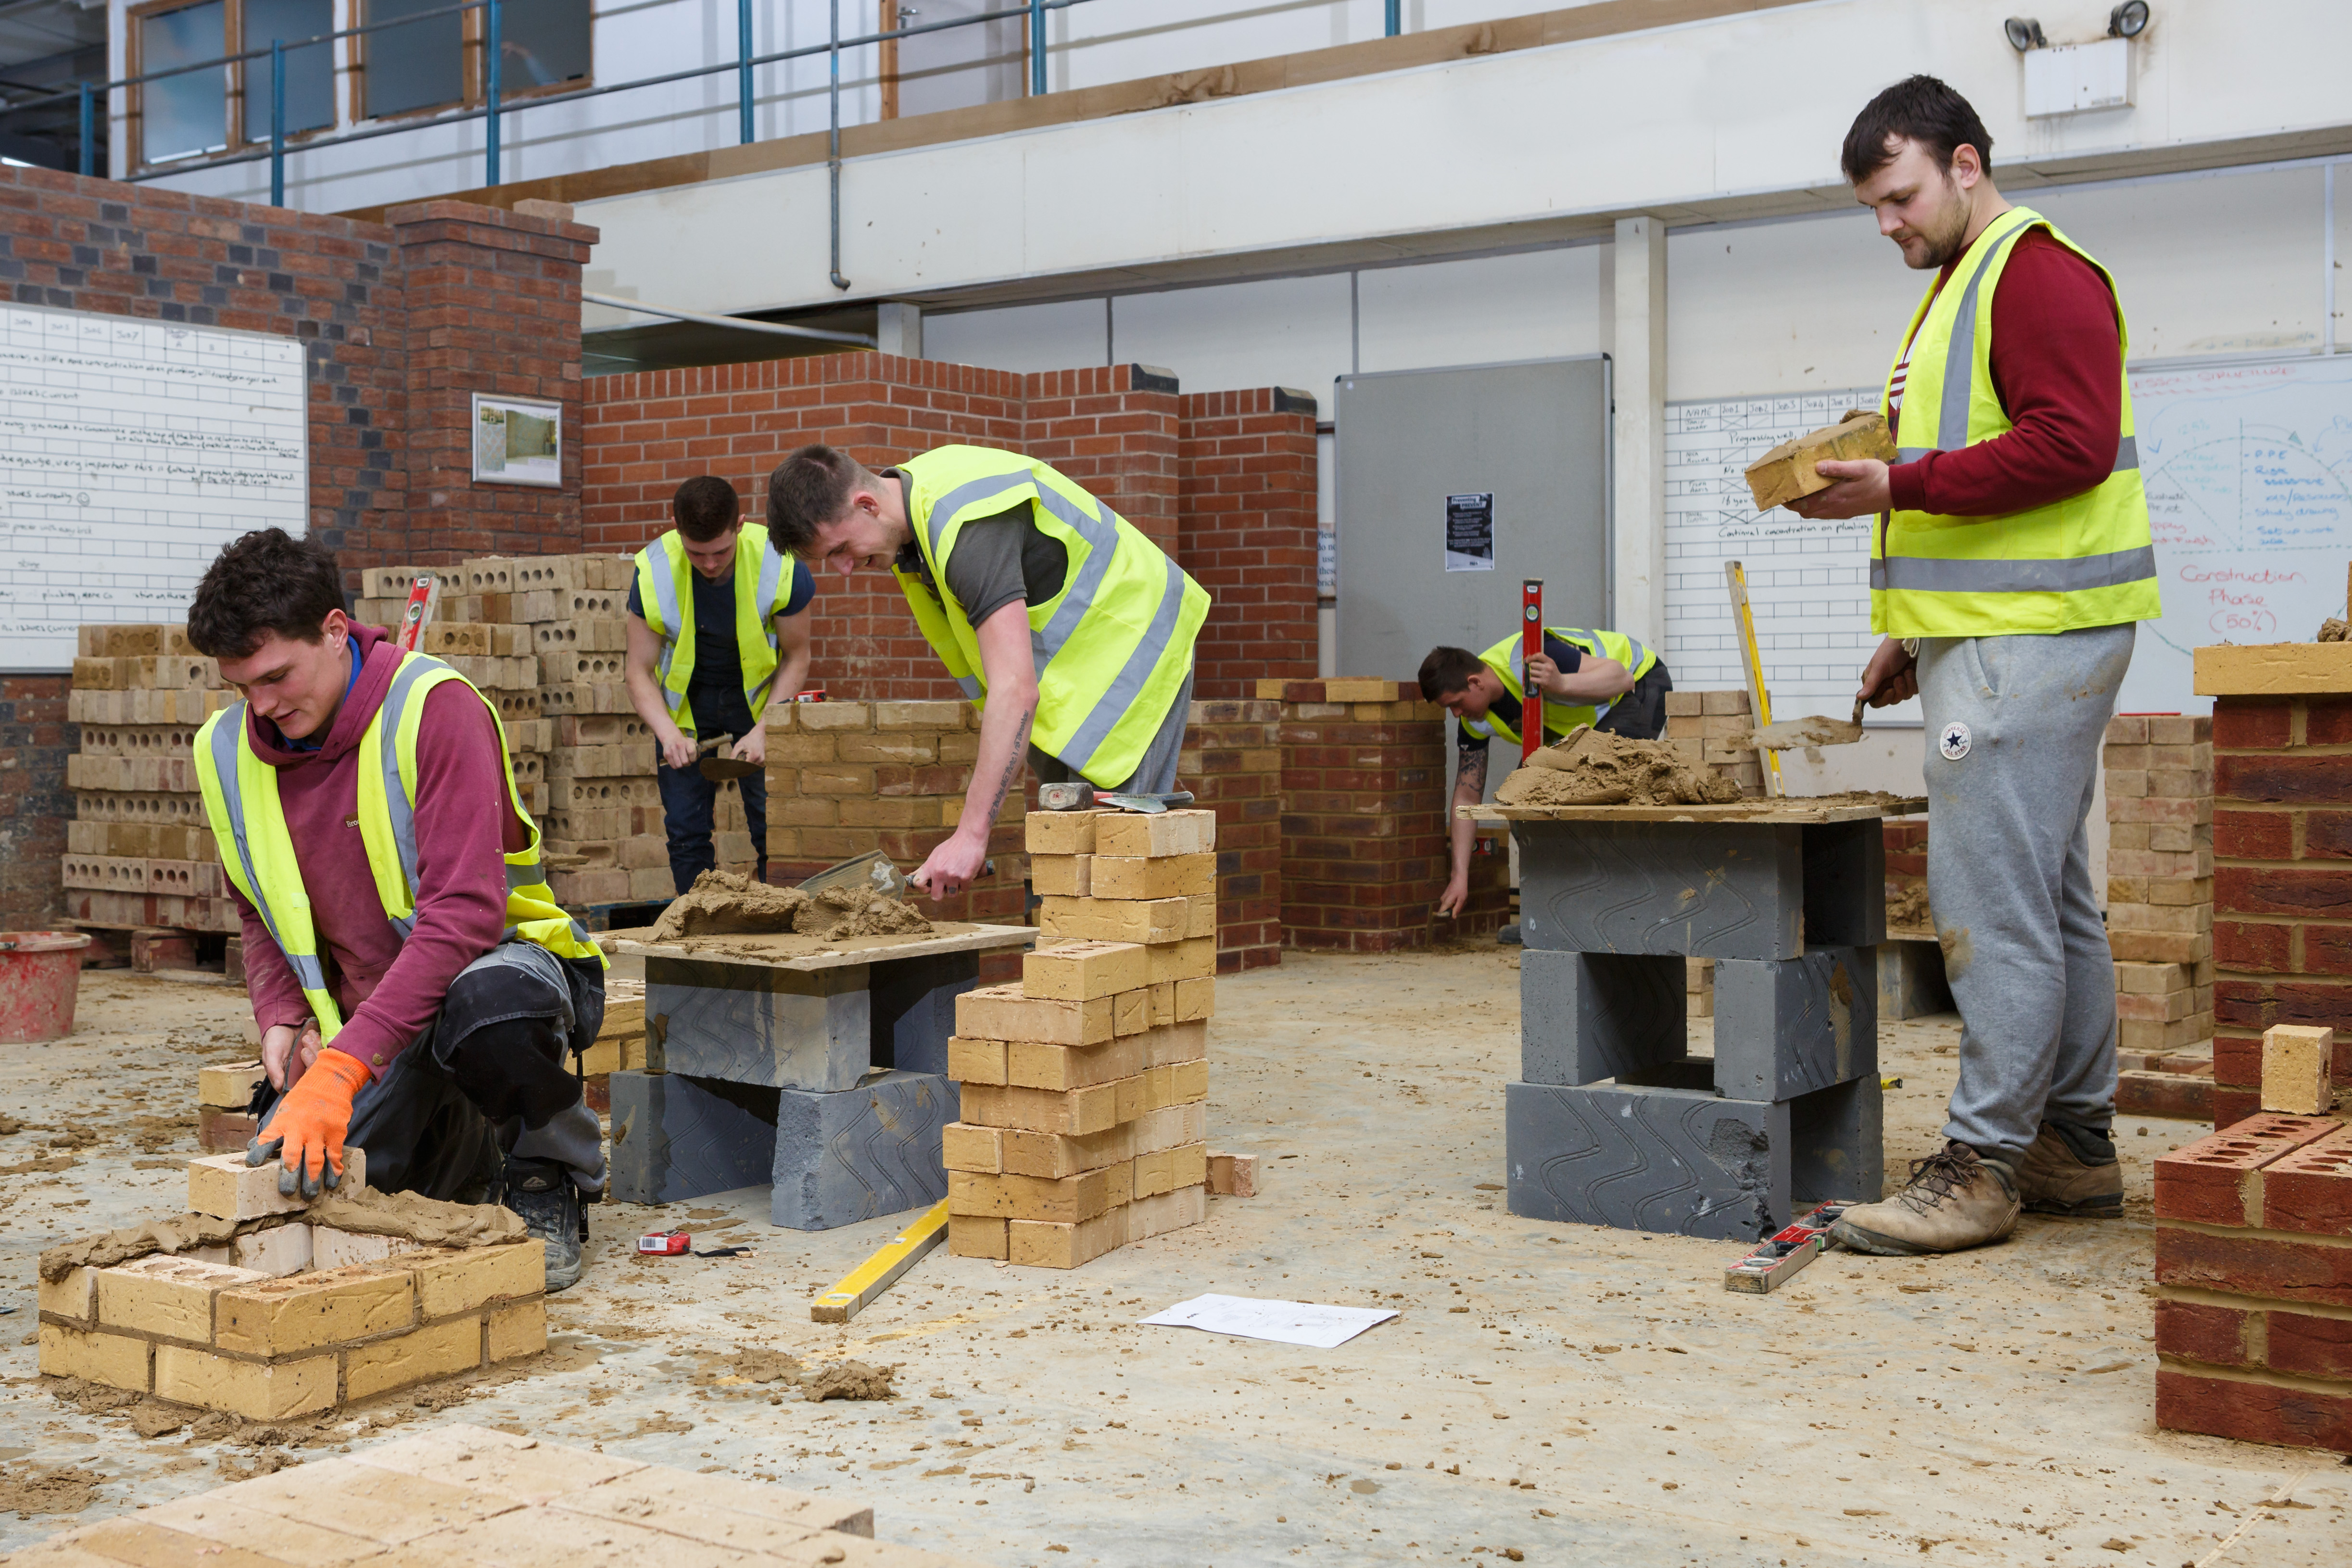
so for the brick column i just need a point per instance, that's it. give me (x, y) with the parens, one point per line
(35, 804)
(1246, 490)
(1232, 764)
(1113, 428)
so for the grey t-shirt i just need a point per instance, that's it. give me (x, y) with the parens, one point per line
(996, 560)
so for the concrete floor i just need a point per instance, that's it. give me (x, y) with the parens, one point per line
(1550, 1393)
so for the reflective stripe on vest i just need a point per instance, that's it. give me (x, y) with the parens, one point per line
(2086, 561)
(663, 575)
(1508, 659)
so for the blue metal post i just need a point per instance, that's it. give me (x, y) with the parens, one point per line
(490, 51)
(88, 126)
(743, 70)
(276, 123)
(1395, 18)
(833, 141)
(1037, 49)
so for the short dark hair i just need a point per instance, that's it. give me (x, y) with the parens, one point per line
(808, 489)
(1447, 670)
(1920, 109)
(706, 506)
(268, 580)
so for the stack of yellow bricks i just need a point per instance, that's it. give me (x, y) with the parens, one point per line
(1083, 1087)
(1700, 727)
(2160, 785)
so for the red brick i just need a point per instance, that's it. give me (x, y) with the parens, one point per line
(2218, 1336)
(2252, 948)
(2253, 1412)
(2328, 835)
(2308, 1346)
(2234, 1105)
(2309, 1188)
(2326, 721)
(2249, 1264)
(2254, 835)
(2207, 1181)
(2244, 890)
(2291, 779)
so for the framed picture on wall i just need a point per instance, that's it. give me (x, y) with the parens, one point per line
(517, 441)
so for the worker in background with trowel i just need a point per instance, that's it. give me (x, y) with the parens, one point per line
(717, 629)
(2011, 559)
(1604, 679)
(415, 984)
(1071, 629)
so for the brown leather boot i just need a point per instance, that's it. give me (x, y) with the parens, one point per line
(2063, 1174)
(1954, 1201)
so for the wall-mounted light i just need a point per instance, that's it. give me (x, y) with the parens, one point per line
(2128, 20)
(2025, 32)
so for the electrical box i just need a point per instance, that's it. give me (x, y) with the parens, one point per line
(2070, 78)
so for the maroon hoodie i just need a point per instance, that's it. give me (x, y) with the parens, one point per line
(386, 989)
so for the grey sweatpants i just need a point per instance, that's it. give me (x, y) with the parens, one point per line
(2014, 731)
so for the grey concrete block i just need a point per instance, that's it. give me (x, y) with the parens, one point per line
(1707, 889)
(1837, 1142)
(1681, 1161)
(1786, 1027)
(1845, 883)
(1911, 982)
(1584, 1017)
(914, 1008)
(675, 1137)
(860, 1153)
(779, 1027)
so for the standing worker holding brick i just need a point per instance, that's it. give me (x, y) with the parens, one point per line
(1071, 629)
(2011, 558)
(415, 984)
(1604, 679)
(717, 629)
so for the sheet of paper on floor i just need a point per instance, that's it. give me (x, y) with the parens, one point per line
(1285, 1322)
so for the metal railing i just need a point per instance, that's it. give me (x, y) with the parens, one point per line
(494, 110)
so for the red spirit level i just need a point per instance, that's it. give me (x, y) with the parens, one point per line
(1531, 730)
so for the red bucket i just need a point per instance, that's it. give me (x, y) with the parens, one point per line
(39, 972)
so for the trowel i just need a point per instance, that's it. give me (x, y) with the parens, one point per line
(721, 767)
(873, 870)
(1796, 734)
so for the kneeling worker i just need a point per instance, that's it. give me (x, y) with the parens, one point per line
(415, 984)
(717, 629)
(1071, 629)
(1604, 679)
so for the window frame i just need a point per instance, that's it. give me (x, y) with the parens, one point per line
(233, 139)
(473, 76)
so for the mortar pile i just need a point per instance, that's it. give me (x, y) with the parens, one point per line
(1593, 767)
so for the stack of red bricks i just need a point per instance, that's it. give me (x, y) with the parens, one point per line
(1084, 1085)
(2254, 1266)
(1231, 763)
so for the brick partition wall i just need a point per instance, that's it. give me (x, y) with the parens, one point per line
(1247, 476)
(1232, 763)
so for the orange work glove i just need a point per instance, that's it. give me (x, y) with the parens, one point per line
(310, 1122)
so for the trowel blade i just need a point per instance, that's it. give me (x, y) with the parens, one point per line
(1795, 734)
(872, 869)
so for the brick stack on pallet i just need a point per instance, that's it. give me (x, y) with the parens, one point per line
(2159, 788)
(1083, 1087)
(139, 854)
(1700, 726)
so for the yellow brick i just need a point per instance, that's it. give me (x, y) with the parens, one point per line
(1156, 836)
(1188, 1165)
(1131, 1012)
(1201, 917)
(837, 779)
(441, 1350)
(118, 1361)
(1153, 1172)
(1074, 1112)
(1082, 970)
(963, 1147)
(2296, 1065)
(1136, 877)
(166, 1296)
(932, 716)
(1060, 876)
(1163, 1002)
(75, 1296)
(1054, 1156)
(1188, 1081)
(1002, 1012)
(462, 1280)
(227, 1083)
(1194, 958)
(1029, 1065)
(225, 1187)
(332, 1248)
(904, 748)
(975, 1061)
(1172, 1043)
(1170, 1127)
(836, 715)
(518, 1329)
(791, 748)
(258, 1391)
(306, 1311)
(1119, 919)
(1195, 998)
(1048, 1246)
(1168, 1211)
(1061, 832)
(975, 1235)
(1066, 1200)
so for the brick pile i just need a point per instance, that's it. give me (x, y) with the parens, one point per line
(1083, 1087)
(1700, 725)
(2255, 1281)
(1231, 763)
(287, 1317)
(223, 1091)
(2159, 784)
(1906, 877)
(139, 853)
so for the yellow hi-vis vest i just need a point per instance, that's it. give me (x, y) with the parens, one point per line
(1508, 659)
(1112, 648)
(257, 852)
(666, 593)
(2086, 561)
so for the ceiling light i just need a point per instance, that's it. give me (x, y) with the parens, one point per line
(2024, 33)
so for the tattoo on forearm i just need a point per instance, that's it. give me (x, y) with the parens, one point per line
(1470, 774)
(1013, 764)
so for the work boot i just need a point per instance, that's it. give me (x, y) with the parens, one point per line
(2072, 1170)
(1954, 1201)
(549, 1204)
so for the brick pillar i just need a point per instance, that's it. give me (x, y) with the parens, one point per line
(2160, 783)
(1246, 491)
(1363, 823)
(1232, 764)
(493, 306)
(2281, 833)
(35, 804)
(1112, 428)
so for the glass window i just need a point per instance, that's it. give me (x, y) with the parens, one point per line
(187, 114)
(310, 71)
(420, 65)
(542, 43)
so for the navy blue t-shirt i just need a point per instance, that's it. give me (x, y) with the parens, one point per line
(716, 687)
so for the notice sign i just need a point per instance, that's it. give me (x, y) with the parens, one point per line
(1470, 533)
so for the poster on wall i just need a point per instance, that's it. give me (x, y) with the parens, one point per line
(516, 442)
(1470, 533)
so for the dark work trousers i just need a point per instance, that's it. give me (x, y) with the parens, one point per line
(690, 806)
(489, 1079)
(1641, 713)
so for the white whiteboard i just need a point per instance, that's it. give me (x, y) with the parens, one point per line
(130, 451)
(2249, 475)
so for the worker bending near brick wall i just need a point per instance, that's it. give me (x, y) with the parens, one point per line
(2009, 561)
(1604, 679)
(717, 629)
(1071, 629)
(415, 984)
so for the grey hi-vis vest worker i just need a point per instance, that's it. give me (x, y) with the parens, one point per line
(1112, 647)
(248, 823)
(763, 583)
(2086, 561)
(1508, 659)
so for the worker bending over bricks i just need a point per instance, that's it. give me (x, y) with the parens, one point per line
(1028, 588)
(2011, 560)
(1604, 679)
(414, 983)
(717, 629)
